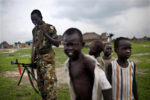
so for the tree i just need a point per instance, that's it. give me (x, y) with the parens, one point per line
(110, 36)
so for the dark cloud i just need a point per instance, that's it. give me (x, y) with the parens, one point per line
(117, 16)
(95, 9)
(100, 11)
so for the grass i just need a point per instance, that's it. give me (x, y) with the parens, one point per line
(140, 47)
(63, 92)
(143, 80)
(10, 91)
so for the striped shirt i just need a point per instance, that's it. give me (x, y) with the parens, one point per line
(122, 81)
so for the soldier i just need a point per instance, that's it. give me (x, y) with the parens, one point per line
(44, 36)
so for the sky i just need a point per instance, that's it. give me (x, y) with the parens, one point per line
(127, 18)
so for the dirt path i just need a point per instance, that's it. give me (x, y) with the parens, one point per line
(61, 75)
(141, 54)
(8, 50)
(14, 75)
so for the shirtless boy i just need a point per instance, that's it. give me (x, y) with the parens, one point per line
(84, 75)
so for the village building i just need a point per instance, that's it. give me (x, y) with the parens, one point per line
(5, 45)
(91, 36)
(17, 45)
(145, 38)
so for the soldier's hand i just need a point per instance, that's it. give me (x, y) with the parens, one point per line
(36, 58)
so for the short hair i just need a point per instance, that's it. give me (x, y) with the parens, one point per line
(98, 45)
(116, 42)
(36, 11)
(106, 44)
(72, 31)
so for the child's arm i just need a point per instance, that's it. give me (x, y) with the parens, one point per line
(107, 94)
(109, 73)
(106, 87)
(134, 85)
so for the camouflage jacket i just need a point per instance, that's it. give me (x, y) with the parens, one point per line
(40, 42)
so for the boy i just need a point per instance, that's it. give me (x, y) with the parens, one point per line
(84, 76)
(44, 36)
(121, 72)
(95, 48)
(107, 55)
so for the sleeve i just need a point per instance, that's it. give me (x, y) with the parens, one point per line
(33, 32)
(52, 31)
(71, 89)
(104, 83)
(33, 52)
(100, 77)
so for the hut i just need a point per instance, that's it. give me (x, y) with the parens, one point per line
(89, 37)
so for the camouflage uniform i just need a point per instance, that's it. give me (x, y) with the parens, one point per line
(42, 50)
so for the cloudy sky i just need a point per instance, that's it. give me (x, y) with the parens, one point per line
(121, 17)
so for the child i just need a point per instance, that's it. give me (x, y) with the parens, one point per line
(107, 58)
(85, 79)
(96, 47)
(121, 72)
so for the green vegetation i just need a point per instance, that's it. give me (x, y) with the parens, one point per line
(10, 91)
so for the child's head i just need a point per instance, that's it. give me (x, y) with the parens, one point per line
(73, 42)
(122, 47)
(96, 47)
(36, 17)
(107, 49)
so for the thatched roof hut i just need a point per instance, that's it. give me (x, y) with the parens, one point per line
(91, 36)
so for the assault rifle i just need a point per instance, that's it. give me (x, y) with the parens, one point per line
(31, 75)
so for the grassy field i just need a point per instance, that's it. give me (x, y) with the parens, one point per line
(10, 91)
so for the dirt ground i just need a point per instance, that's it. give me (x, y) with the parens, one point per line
(14, 75)
(141, 54)
(8, 50)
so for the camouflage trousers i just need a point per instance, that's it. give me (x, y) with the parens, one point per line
(46, 80)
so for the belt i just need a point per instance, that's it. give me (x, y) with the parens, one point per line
(41, 52)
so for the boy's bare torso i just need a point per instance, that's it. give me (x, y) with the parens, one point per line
(82, 77)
